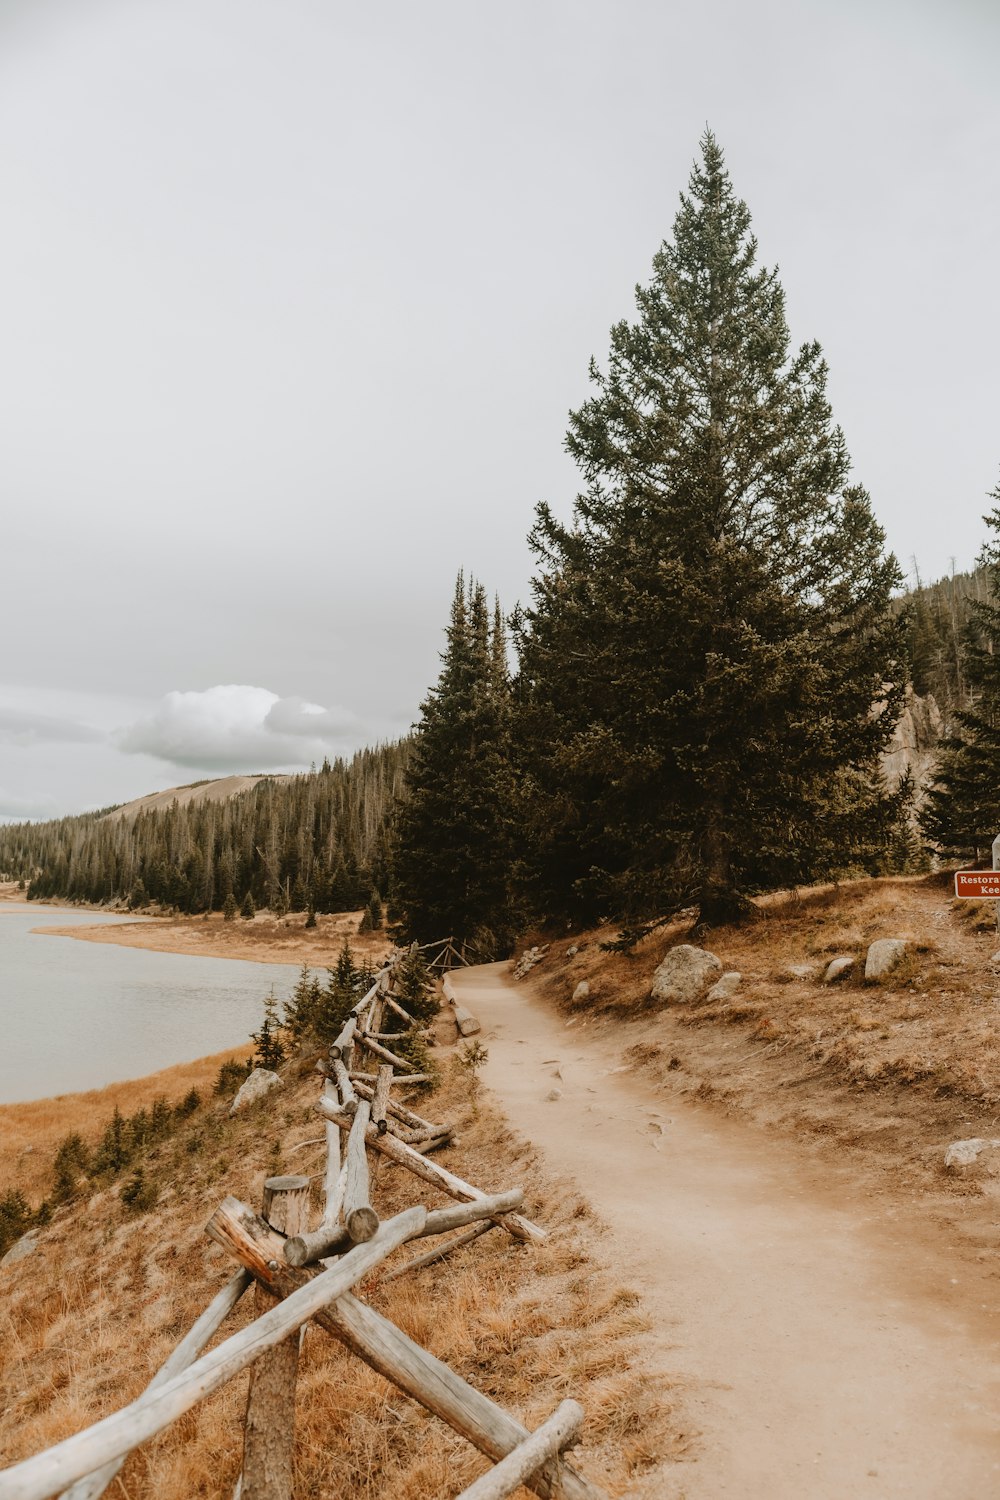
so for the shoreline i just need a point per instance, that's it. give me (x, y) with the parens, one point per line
(264, 939)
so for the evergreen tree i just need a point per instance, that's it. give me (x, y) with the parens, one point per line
(269, 1051)
(248, 911)
(710, 639)
(300, 1009)
(962, 813)
(229, 908)
(452, 832)
(372, 919)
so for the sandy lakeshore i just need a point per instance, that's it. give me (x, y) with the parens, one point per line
(264, 940)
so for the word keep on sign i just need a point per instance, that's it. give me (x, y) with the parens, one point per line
(978, 885)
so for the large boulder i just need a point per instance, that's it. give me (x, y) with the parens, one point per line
(884, 955)
(684, 975)
(581, 993)
(259, 1084)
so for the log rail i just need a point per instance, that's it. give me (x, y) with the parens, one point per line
(301, 1274)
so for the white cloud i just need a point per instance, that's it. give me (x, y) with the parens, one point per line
(235, 727)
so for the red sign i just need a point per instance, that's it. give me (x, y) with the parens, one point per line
(978, 885)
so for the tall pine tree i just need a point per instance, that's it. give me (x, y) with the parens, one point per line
(451, 852)
(709, 643)
(962, 813)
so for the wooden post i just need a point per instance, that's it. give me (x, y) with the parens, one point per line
(241, 1232)
(428, 1171)
(388, 1350)
(440, 1252)
(348, 1098)
(996, 866)
(545, 1443)
(360, 1219)
(380, 1098)
(269, 1433)
(387, 1056)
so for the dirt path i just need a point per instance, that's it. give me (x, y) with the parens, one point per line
(832, 1351)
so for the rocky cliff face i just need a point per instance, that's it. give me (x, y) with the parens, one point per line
(914, 743)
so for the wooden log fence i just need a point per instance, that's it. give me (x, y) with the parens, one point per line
(303, 1274)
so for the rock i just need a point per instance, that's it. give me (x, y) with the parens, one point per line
(553, 1095)
(684, 975)
(802, 971)
(726, 988)
(581, 992)
(573, 951)
(883, 956)
(964, 1153)
(529, 958)
(260, 1082)
(994, 959)
(21, 1248)
(838, 967)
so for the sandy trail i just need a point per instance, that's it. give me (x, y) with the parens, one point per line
(834, 1348)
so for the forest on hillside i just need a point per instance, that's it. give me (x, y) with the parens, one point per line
(941, 620)
(316, 840)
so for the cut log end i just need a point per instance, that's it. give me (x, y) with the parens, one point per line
(362, 1223)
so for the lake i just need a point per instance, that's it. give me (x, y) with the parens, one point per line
(78, 1015)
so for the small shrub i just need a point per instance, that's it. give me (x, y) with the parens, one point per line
(138, 1195)
(232, 1075)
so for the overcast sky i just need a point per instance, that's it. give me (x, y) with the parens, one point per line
(295, 296)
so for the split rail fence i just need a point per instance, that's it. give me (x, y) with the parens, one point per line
(300, 1273)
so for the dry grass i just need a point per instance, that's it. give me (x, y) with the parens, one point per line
(89, 1317)
(30, 1132)
(935, 1018)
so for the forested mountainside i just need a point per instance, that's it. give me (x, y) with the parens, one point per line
(941, 622)
(288, 842)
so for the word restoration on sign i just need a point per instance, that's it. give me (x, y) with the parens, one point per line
(977, 885)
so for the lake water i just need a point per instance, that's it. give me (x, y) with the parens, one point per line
(78, 1015)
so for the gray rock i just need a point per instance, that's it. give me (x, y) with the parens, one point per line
(685, 975)
(528, 960)
(838, 967)
(883, 956)
(553, 1095)
(260, 1082)
(964, 1153)
(726, 987)
(573, 951)
(582, 991)
(21, 1248)
(802, 971)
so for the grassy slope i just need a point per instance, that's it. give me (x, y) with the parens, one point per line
(89, 1317)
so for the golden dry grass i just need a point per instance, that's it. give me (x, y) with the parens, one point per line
(30, 1132)
(88, 1318)
(935, 1019)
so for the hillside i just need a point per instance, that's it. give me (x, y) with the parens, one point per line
(218, 790)
(284, 842)
(95, 1309)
